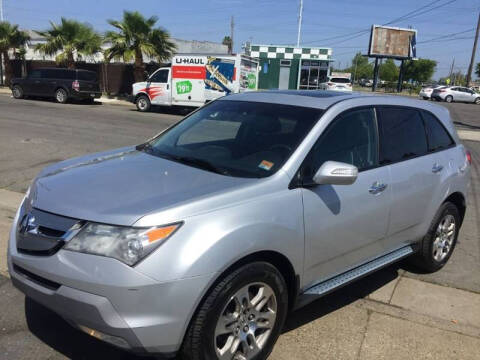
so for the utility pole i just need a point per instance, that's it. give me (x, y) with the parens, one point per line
(1, 10)
(451, 70)
(300, 14)
(474, 50)
(232, 25)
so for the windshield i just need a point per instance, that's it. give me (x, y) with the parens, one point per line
(236, 138)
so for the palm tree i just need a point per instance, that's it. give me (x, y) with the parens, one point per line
(11, 38)
(137, 36)
(227, 40)
(68, 39)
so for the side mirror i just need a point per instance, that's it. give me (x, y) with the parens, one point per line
(336, 173)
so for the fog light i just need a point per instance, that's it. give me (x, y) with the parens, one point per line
(114, 340)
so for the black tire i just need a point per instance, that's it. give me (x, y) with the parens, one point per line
(424, 259)
(17, 92)
(199, 341)
(143, 103)
(61, 96)
(449, 98)
(426, 98)
(477, 101)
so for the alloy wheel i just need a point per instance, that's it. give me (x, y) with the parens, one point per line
(246, 322)
(444, 237)
(17, 92)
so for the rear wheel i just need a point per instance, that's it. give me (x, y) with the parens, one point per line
(425, 98)
(61, 96)
(449, 99)
(241, 318)
(477, 101)
(143, 103)
(17, 92)
(437, 246)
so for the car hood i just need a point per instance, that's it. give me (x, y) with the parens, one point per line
(119, 187)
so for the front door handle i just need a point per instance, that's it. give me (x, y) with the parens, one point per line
(377, 188)
(437, 168)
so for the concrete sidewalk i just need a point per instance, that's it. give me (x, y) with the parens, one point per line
(384, 316)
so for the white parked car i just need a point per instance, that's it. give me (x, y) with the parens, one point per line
(426, 91)
(337, 83)
(457, 94)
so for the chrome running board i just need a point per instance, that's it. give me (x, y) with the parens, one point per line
(338, 281)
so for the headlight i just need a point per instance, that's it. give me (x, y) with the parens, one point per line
(126, 244)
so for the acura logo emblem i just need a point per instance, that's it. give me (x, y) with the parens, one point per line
(28, 225)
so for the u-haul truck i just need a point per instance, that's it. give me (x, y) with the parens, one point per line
(193, 80)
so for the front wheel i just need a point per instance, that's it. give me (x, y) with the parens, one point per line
(426, 98)
(61, 96)
(449, 99)
(143, 103)
(17, 92)
(477, 101)
(241, 317)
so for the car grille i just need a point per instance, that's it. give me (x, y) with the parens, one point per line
(42, 233)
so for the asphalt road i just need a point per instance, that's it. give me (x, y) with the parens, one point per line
(35, 133)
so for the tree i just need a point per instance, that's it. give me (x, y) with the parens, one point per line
(388, 71)
(11, 38)
(137, 36)
(361, 68)
(420, 70)
(227, 40)
(477, 69)
(68, 40)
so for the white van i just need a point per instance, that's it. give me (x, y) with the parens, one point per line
(193, 80)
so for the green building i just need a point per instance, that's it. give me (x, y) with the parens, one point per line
(288, 67)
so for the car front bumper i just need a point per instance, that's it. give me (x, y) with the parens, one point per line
(108, 299)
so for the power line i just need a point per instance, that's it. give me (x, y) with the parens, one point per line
(409, 15)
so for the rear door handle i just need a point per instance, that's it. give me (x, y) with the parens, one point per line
(377, 188)
(437, 168)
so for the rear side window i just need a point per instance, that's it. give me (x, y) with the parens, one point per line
(438, 137)
(351, 138)
(87, 76)
(35, 74)
(340, 80)
(402, 134)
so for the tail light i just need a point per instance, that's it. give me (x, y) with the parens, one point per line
(349, 84)
(330, 84)
(442, 90)
(468, 156)
(76, 85)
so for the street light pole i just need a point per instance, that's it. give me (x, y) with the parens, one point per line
(300, 14)
(1, 10)
(472, 60)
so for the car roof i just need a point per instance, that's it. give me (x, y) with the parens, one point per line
(57, 68)
(320, 99)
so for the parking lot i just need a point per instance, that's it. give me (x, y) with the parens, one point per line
(392, 314)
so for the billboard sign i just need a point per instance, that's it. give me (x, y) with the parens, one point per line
(392, 42)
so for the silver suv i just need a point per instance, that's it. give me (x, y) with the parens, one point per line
(199, 241)
(455, 93)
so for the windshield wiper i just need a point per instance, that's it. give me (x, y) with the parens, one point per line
(203, 164)
(187, 160)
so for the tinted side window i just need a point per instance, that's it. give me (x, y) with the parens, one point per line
(402, 134)
(35, 74)
(160, 76)
(438, 137)
(351, 138)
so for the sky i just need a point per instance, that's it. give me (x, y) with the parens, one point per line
(276, 22)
